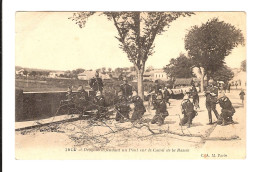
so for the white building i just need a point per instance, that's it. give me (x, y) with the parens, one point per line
(160, 74)
(87, 75)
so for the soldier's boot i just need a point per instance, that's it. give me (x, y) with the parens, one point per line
(224, 122)
(160, 121)
(210, 122)
(231, 119)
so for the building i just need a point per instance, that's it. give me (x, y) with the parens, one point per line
(87, 75)
(56, 74)
(20, 72)
(159, 74)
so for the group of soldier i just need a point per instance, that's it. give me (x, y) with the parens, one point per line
(160, 99)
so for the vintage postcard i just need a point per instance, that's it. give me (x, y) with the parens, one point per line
(130, 85)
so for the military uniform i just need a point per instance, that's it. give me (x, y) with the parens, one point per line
(96, 84)
(100, 105)
(195, 96)
(211, 99)
(188, 111)
(227, 110)
(81, 100)
(123, 109)
(242, 95)
(161, 112)
(126, 89)
(156, 88)
(139, 108)
(166, 96)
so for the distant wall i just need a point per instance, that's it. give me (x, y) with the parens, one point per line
(37, 105)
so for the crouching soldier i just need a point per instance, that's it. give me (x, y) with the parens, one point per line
(100, 106)
(188, 111)
(122, 109)
(161, 110)
(139, 108)
(227, 110)
(69, 99)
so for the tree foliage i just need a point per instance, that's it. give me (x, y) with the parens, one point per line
(136, 33)
(180, 67)
(209, 44)
(243, 65)
(223, 74)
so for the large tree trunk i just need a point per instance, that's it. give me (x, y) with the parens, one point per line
(202, 79)
(140, 86)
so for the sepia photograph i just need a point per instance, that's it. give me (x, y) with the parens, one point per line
(130, 85)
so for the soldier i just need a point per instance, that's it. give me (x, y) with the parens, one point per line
(166, 95)
(126, 89)
(156, 88)
(211, 94)
(227, 110)
(96, 83)
(69, 97)
(161, 111)
(195, 96)
(187, 109)
(139, 108)
(242, 95)
(228, 86)
(82, 98)
(100, 105)
(122, 109)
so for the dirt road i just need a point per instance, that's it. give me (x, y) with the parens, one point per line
(201, 139)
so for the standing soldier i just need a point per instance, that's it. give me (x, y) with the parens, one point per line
(187, 109)
(156, 88)
(96, 83)
(161, 111)
(242, 95)
(236, 84)
(100, 105)
(211, 94)
(166, 95)
(122, 109)
(126, 89)
(195, 96)
(139, 108)
(228, 86)
(227, 110)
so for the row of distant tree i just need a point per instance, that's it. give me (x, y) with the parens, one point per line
(183, 67)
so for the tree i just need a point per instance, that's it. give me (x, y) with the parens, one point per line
(149, 68)
(118, 70)
(79, 70)
(223, 74)
(25, 72)
(136, 34)
(180, 67)
(109, 69)
(103, 69)
(209, 44)
(243, 65)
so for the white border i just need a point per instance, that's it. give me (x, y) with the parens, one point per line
(11, 6)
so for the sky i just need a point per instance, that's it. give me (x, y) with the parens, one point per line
(49, 40)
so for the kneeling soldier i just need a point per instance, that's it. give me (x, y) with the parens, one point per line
(161, 111)
(123, 109)
(139, 108)
(100, 105)
(188, 111)
(227, 110)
